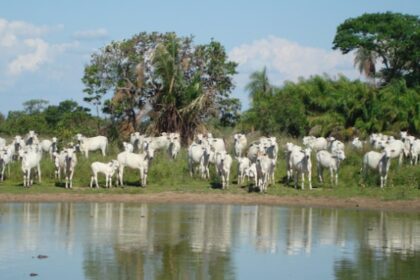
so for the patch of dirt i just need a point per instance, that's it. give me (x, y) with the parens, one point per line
(177, 197)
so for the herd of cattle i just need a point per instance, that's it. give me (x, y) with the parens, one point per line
(256, 161)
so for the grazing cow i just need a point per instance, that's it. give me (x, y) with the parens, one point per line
(66, 160)
(239, 144)
(243, 164)
(31, 158)
(331, 161)
(223, 165)
(135, 161)
(378, 161)
(128, 147)
(92, 144)
(108, 169)
(415, 151)
(316, 144)
(357, 144)
(301, 164)
(264, 167)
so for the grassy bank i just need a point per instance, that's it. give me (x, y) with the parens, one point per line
(167, 175)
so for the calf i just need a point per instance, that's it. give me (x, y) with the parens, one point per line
(108, 169)
(357, 144)
(264, 167)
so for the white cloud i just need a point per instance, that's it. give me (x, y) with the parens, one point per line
(24, 48)
(32, 60)
(93, 34)
(286, 60)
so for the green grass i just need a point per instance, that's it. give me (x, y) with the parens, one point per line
(169, 175)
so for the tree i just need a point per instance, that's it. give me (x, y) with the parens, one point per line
(393, 37)
(34, 105)
(365, 61)
(162, 78)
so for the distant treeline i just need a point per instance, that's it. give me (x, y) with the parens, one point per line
(322, 106)
(63, 120)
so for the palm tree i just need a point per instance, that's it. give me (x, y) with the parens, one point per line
(259, 85)
(365, 61)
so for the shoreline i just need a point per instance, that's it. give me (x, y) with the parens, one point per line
(206, 198)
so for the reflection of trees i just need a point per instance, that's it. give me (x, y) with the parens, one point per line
(150, 242)
(389, 248)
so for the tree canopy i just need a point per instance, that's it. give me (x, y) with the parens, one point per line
(163, 79)
(393, 38)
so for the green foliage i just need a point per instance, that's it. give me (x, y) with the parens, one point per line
(394, 38)
(63, 120)
(340, 107)
(164, 80)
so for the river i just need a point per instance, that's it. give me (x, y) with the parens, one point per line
(205, 241)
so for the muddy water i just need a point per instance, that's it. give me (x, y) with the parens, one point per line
(193, 241)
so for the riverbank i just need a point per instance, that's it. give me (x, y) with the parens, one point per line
(222, 198)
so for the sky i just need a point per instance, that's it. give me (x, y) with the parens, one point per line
(44, 45)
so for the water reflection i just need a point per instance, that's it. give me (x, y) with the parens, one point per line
(150, 241)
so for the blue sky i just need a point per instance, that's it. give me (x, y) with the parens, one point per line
(44, 45)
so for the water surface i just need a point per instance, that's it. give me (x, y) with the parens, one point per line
(157, 241)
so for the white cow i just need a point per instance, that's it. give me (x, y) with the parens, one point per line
(331, 161)
(128, 147)
(92, 144)
(49, 146)
(378, 161)
(301, 164)
(316, 144)
(66, 160)
(217, 144)
(357, 143)
(5, 159)
(334, 144)
(264, 166)
(31, 138)
(253, 150)
(397, 149)
(239, 143)
(415, 151)
(136, 139)
(31, 158)
(196, 154)
(243, 164)
(251, 173)
(134, 161)
(174, 145)
(223, 165)
(108, 169)
(289, 148)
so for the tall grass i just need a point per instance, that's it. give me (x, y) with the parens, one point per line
(166, 174)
